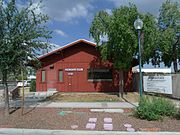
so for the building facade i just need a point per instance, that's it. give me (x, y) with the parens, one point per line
(77, 67)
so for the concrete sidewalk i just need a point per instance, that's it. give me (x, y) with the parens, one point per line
(38, 103)
(88, 104)
(14, 131)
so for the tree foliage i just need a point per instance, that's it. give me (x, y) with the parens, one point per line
(159, 38)
(150, 38)
(122, 44)
(169, 28)
(22, 34)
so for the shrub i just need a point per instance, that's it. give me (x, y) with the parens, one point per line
(155, 108)
(177, 115)
(163, 107)
(33, 86)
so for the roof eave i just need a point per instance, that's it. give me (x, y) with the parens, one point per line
(66, 46)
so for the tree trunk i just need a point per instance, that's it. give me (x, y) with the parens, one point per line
(6, 93)
(121, 84)
(175, 58)
(22, 111)
(175, 66)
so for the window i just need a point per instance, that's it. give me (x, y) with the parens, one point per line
(43, 75)
(100, 74)
(60, 75)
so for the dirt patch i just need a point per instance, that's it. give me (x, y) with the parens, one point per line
(100, 97)
(50, 118)
(94, 97)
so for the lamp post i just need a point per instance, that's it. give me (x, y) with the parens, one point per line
(138, 24)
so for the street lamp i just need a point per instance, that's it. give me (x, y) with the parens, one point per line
(138, 24)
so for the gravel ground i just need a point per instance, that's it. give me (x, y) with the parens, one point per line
(49, 118)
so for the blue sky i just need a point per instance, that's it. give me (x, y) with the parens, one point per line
(70, 19)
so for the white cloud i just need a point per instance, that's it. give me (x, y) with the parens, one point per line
(77, 11)
(151, 6)
(60, 32)
(36, 7)
(109, 11)
(67, 10)
(62, 10)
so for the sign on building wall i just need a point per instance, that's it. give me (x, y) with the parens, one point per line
(158, 84)
(73, 69)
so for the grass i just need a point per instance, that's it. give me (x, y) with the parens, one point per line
(93, 97)
(97, 97)
(80, 97)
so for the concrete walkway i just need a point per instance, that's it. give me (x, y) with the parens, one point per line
(15, 131)
(39, 103)
(88, 104)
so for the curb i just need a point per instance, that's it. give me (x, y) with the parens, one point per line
(15, 131)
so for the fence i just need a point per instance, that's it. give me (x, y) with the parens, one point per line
(175, 83)
(13, 90)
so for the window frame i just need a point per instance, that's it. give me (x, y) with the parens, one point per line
(43, 80)
(99, 80)
(59, 76)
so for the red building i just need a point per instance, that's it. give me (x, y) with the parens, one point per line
(77, 67)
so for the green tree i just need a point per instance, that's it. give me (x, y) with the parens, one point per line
(19, 76)
(33, 86)
(150, 40)
(122, 41)
(22, 32)
(169, 24)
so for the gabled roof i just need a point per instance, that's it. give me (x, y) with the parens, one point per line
(68, 45)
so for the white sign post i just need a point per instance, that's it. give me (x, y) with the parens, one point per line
(158, 84)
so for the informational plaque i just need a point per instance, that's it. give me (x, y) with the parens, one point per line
(158, 84)
(73, 69)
